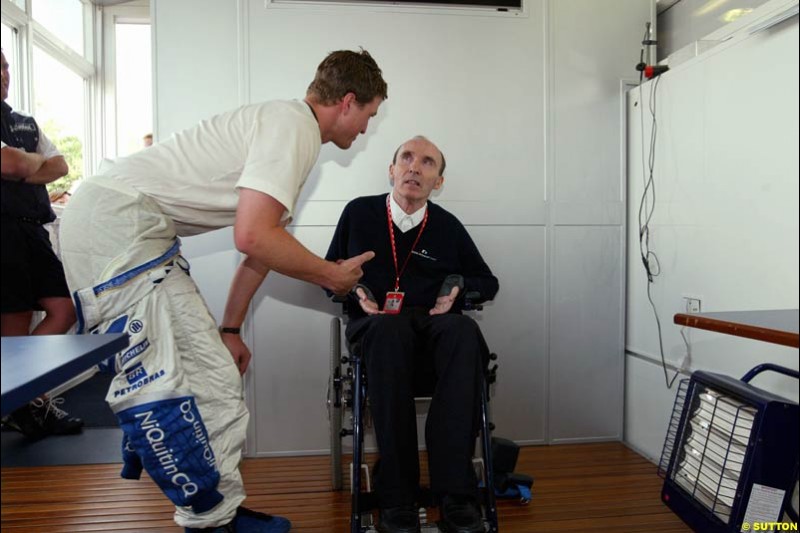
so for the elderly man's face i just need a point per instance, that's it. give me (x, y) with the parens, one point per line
(416, 171)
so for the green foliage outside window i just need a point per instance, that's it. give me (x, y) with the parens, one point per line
(71, 148)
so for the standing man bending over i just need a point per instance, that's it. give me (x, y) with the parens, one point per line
(33, 278)
(178, 391)
(406, 313)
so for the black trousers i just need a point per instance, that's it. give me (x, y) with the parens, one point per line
(400, 351)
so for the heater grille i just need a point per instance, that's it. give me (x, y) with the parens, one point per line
(714, 449)
(673, 428)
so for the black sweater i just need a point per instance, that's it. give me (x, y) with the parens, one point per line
(444, 248)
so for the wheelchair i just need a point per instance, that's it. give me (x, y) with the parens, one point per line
(348, 414)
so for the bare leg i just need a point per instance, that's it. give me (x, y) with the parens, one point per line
(59, 316)
(15, 324)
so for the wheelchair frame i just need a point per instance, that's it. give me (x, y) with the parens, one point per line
(347, 389)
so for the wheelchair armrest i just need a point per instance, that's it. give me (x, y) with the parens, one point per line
(491, 373)
(473, 301)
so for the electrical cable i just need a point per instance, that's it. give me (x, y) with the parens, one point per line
(647, 206)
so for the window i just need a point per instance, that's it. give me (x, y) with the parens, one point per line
(63, 18)
(134, 100)
(51, 46)
(59, 103)
(48, 44)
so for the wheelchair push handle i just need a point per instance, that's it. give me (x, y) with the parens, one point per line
(770, 366)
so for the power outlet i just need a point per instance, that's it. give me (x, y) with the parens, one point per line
(693, 304)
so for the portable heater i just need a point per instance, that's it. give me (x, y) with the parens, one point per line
(731, 453)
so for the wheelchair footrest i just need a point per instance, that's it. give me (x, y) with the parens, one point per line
(367, 501)
(423, 528)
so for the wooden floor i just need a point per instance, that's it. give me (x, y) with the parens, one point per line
(581, 488)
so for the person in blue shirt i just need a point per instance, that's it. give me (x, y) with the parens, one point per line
(33, 277)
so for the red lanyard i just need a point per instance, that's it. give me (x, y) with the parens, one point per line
(394, 249)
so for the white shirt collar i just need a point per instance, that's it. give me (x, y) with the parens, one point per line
(403, 220)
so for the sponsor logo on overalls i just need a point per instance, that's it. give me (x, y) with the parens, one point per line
(136, 373)
(133, 352)
(137, 377)
(158, 437)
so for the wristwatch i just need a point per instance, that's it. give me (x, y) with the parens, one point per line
(235, 331)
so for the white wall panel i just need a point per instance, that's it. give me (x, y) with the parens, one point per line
(290, 324)
(515, 327)
(648, 406)
(472, 84)
(586, 313)
(195, 62)
(591, 44)
(589, 62)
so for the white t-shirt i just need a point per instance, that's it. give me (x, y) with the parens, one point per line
(195, 175)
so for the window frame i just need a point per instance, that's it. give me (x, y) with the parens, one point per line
(30, 33)
(124, 14)
(20, 60)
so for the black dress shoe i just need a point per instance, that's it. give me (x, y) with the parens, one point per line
(460, 514)
(401, 519)
(24, 421)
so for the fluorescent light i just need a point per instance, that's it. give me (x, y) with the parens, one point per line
(777, 19)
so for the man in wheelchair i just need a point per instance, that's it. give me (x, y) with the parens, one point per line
(406, 315)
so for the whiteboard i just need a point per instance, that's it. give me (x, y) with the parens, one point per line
(725, 227)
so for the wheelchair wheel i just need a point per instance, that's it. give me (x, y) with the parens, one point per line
(335, 407)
